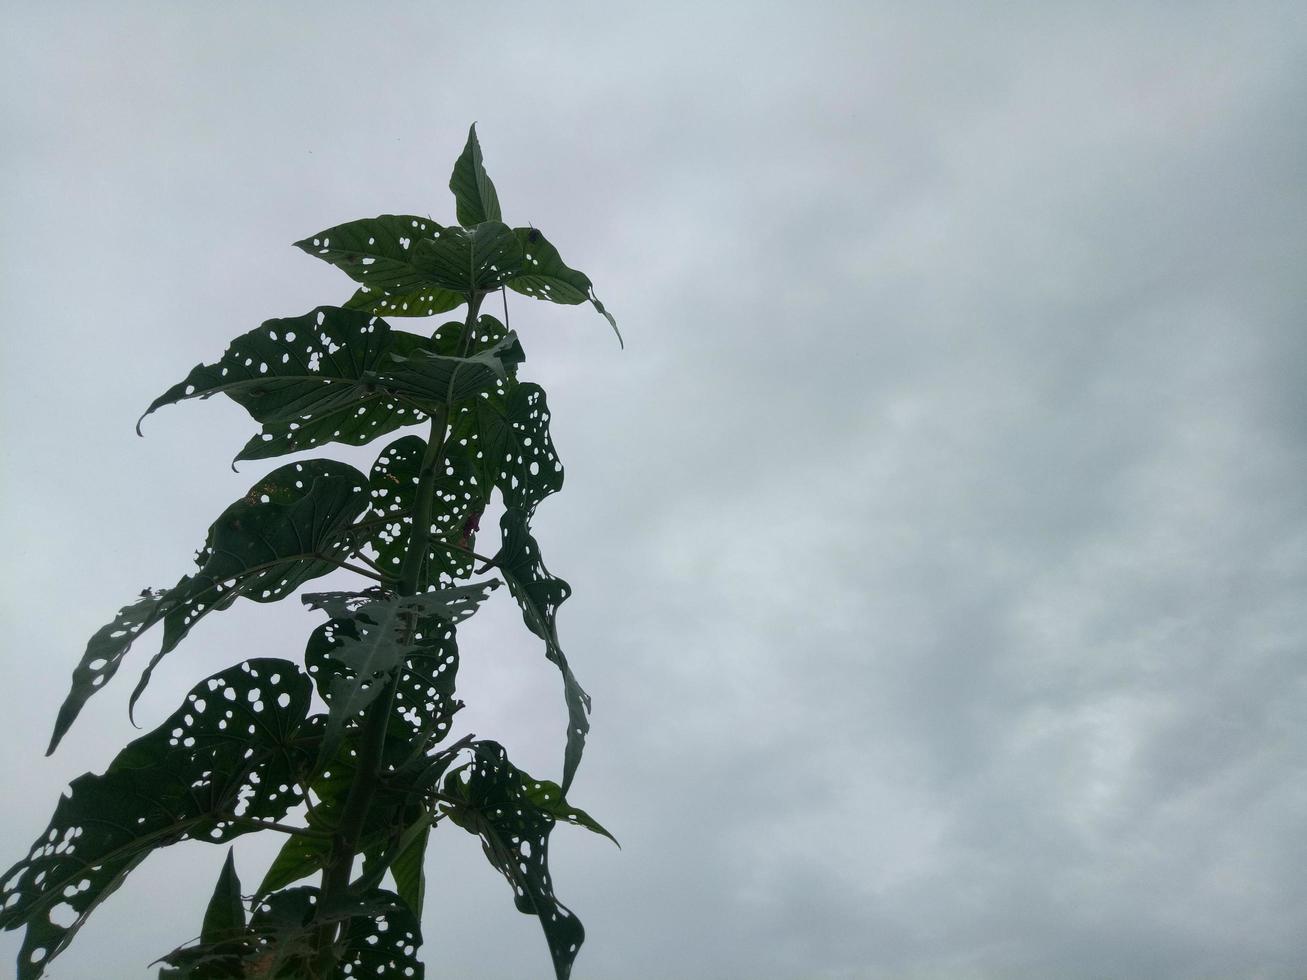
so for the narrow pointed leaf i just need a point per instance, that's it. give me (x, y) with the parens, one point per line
(225, 915)
(470, 260)
(475, 199)
(231, 745)
(493, 803)
(385, 625)
(538, 595)
(544, 275)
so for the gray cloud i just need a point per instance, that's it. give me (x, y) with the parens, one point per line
(938, 542)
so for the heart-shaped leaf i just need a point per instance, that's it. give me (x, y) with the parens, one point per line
(512, 449)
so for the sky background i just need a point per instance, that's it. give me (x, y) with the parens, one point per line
(939, 541)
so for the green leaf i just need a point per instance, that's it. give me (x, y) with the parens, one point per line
(444, 380)
(309, 379)
(225, 915)
(472, 260)
(407, 868)
(512, 447)
(475, 199)
(424, 301)
(381, 940)
(544, 275)
(455, 518)
(385, 626)
(291, 527)
(493, 803)
(231, 746)
(539, 594)
(548, 797)
(381, 254)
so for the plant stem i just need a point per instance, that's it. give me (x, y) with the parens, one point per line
(367, 775)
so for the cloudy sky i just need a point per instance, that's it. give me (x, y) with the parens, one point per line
(938, 542)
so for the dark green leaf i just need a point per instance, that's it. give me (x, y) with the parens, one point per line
(381, 940)
(544, 275)
(225, 915)
(309, 379)
(385, 627)
(470, 260)
(493, 802)
(475, 199)
(539, 595)
(425, 301)
(455, 515)
(548, 797)
(438, 379)
(407, 868)
(512, 447)
(290, 527)
(380, 253)
(230, 749)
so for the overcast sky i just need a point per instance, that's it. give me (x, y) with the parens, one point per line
(939, 542)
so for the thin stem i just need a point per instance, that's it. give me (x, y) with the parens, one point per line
(339, 867)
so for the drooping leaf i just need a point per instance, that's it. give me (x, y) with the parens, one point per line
(493, 803)
(228, 753)
(468, 260)
(475, 199)
(538, 595)
(225, 915)
(381, 253)
(385, 625)
(290, 528)
(544, 275)
(513, 450)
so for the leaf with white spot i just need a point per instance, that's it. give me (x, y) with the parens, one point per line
(229, 753)
(471, 260)
(385, 628)
(544, 275)
(475, 198)
(291, 527)
(489, 797)
(309, 379)
(455, 513)
(512, 450)
(380, 253)
(445, 380)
